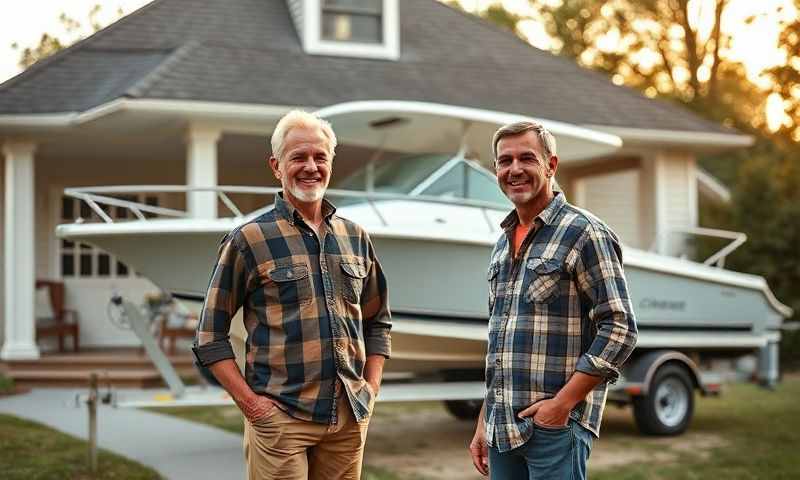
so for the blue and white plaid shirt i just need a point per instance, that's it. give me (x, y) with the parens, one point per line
(559, 307)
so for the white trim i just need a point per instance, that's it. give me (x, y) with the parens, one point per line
(221, 110)
(313, 43)
(38, 120)
(677, 137)
(691, 174)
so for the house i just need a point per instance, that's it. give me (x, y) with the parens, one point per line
(186, 91)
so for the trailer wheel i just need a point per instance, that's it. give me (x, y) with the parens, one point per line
(668, 408)
(464, 409)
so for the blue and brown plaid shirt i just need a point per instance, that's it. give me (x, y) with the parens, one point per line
(559, 307)
(314, 307)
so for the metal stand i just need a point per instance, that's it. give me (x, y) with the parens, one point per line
(141, 327)
(91, 405)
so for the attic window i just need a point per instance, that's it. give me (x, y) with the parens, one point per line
(352, 20)
(351, 28)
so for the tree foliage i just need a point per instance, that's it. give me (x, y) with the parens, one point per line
(50, 43)
(786, 78)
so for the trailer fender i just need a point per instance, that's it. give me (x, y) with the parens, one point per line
(639, 371)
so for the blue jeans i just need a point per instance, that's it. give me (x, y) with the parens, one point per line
(550, 454)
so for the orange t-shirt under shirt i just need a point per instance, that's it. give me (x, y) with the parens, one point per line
(520, 232)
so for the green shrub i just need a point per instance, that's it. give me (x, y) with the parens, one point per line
(6, 384)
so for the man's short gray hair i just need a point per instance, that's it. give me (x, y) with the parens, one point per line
(546, 139)
(300, 119)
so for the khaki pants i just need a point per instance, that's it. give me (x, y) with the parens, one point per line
(282, 447)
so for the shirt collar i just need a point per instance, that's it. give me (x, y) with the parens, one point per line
(288, 211)
(546, 216)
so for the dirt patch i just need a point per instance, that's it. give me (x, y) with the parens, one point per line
(423, 441)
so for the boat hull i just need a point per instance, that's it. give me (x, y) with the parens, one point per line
(438, 292)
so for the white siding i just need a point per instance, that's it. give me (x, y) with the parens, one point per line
(680, 207)
(647, 203)
(679, 214)
(614, 198)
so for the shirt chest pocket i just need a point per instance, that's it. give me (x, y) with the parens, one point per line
(286, 284)
(545, 275)
(354, 274)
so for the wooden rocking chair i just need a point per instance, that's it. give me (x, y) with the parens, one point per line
(64, 322)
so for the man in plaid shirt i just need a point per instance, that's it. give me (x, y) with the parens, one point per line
(316, 315)
(561, 323)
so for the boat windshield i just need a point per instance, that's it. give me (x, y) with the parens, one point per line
(430, 175)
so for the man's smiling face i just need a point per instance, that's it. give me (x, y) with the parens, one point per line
(523, 171)
(304, 167)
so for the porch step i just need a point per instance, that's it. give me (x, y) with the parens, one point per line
(99, 361)
(125, 368)
(61, 378)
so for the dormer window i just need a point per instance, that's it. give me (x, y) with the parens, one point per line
(350, 28)
(352, 21)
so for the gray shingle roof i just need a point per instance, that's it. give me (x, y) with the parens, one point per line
(247, 51)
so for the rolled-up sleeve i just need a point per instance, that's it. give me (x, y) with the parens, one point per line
(601, 280)
(225, 295)
(375, 309)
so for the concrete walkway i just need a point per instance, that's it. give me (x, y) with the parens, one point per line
(175, 448)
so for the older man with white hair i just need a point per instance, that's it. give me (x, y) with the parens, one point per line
(316, 314)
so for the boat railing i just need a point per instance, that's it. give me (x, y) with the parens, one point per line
(717, 258)
(96, 197)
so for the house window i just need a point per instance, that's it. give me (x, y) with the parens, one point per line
(81, 260)
(350, 28)
(352, 21)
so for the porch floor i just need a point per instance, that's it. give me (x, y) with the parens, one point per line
(118, 367)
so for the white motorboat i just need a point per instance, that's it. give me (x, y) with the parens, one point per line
(434, 216)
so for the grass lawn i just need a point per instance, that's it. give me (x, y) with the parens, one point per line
(6, 385)
(757, 431)
(31, 451)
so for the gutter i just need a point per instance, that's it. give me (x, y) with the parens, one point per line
(217, 110)
(678, 137)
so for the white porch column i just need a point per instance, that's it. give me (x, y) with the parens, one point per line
(660, 203)
(201, 170)
(20, 269)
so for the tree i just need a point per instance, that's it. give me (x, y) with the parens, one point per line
(496, 14)
(666, 48)
(50, 43)
(786, 78)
